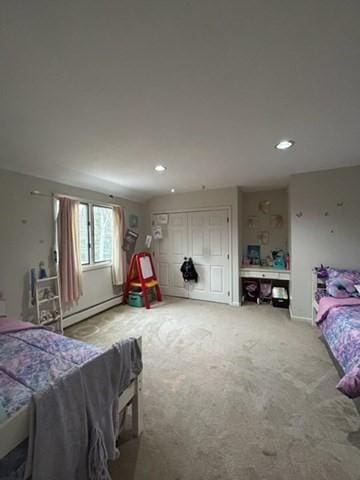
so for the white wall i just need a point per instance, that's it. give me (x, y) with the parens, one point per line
(240, 226)
(322, 231)
(228, 197)
(26, 238)
(279, 206)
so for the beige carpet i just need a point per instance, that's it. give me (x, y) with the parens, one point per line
(232, 393)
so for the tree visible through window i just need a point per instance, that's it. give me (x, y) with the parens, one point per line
(102, 233)
(95, 234)
(84, 234)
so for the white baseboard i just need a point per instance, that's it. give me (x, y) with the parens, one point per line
(91, 311)
(235, 304)
(296, 317)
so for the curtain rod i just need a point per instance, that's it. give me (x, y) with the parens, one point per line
(84, 200)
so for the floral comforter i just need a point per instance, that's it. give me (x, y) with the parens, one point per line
(341, 329)
(32, 358)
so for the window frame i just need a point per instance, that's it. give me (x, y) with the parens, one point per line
(100, 262)
(92, 265)
(89, 246)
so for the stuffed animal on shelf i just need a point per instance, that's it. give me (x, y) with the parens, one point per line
(45, 315)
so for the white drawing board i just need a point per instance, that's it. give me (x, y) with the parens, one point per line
(146, 268)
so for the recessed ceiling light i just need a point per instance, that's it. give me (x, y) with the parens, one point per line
(284, 144)
(172, 190)
(160, 168)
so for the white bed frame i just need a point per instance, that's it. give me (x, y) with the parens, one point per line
(315, 284)
(16, 429)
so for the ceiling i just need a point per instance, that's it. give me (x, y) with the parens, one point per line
(95, 94)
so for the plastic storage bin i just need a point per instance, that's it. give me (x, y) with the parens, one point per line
(135, 298)
(280, 297)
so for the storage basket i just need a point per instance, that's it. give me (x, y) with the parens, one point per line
(135, 298)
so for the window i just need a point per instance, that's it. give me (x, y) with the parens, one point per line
(102, 220)
(95, 234)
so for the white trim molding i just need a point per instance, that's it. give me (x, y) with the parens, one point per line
(301, 319)
(91, 311)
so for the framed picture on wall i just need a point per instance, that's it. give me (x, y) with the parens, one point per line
(253, 253)
(265, 206)
(133, 221)
(130, 240)
(252, 221)
(276, 221)
(162, 219)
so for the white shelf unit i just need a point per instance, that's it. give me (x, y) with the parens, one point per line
(47, 294)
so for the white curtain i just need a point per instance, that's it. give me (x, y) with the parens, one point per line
(69, 250)
(118, 258)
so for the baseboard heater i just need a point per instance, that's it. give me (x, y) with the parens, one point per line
(91, 311)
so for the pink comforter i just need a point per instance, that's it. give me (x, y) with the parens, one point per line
(8, 325)
(327, 303)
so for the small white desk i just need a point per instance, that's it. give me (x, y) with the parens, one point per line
(265, 272)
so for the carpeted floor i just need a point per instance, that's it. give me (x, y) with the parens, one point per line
(232, 394)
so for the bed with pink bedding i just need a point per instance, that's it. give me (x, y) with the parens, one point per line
(339, 322)
(31, 359)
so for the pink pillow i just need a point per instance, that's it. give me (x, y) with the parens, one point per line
(349, 385)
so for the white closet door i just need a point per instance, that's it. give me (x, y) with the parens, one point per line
(203, 236)
(209, 249)
(169, 255)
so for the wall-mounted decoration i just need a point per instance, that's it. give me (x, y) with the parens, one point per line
(264, 206)
(130, 240)
(148, 240)
(263, 237)
(157, 232)
(133, 221)
(299, 214)
(276, 221)
(254, 254)
(252, 221)
(162, 219)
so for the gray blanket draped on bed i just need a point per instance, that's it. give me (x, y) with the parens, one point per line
(73, 429)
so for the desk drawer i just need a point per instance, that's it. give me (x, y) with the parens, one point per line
(269, 275)
(284, 276)
(259, 274)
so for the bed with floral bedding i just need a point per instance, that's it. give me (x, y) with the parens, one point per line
(32, 359)
(339, 322)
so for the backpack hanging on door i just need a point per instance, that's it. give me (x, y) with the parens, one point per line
(188, 270)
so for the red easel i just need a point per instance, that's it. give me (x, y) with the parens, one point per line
(142, 274)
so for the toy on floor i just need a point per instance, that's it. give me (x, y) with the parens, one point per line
(142, 275)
